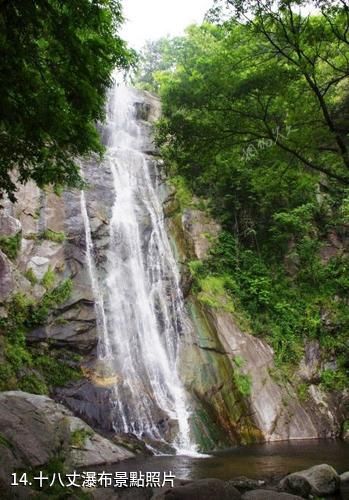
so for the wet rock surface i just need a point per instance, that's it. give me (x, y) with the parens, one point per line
(344, 485)
(268, 495)
(89, 401)
(204, 489)
(53, 238)
(320, 480)
(272, 410)
(239, 488)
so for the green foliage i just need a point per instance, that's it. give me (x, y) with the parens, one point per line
(79, 437)
(242, 380)
(33, 384)
(303, 392)
(334, 380)
(213, 292)
(183, 194)
(49, 279)
(11, 245)
(155, 56)
(56, 61)
(56, 465)
(25, 367)
(255, 121)
(243, 383)
(30, 275)
(48, 234)
(5, 442)
(57, 373)
(51, 299)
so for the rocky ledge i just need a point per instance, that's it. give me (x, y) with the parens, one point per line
(35, 430)
(319, 482)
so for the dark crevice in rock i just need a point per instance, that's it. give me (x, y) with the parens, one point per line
(213, 349)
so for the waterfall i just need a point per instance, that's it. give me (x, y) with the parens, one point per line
(141, 319)
(101, 320)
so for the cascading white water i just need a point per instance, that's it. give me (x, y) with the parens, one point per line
(103, 342)
(142, 316)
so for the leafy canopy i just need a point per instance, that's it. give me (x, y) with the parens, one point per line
(255, 119)
(56, 60)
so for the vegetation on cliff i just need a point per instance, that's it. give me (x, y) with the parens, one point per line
(255, 120)
(31, 368)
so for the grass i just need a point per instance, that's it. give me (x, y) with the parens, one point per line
(243, 381)
(30, 275)
(79, 437)
(56, 236)
(24, 366)
(49, 279)
(11, 245)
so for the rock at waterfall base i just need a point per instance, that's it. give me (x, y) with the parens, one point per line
(344, 485)
(320, 480)
(35, 429)
(269, 495)
(203, 489)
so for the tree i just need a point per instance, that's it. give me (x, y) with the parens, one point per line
(239, 117)
(56, 60)
(156, 56)
(316, 47)
(245, 126)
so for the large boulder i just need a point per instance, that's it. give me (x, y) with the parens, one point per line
(297, 484)
(34, 429)
(344, 485)
(269, 495)
(90, 401)
(9, 226)
(74, 328)
(203, 489)
(320, 480)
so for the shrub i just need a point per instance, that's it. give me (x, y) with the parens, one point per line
(49, 279)
(48, 234)
(11, 245)
(79, 437)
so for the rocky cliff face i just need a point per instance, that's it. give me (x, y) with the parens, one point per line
(219, 358)
(232, 373)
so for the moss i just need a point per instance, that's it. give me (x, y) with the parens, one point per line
(183, 193)
(5, 442)
(8, 380)
(56, 465)
(49, 279)
(49, 301)
(58, 190)
(213, 293)
(33, 383)
(334, 380)
(30, 275)
(25, 367)
(79, 437)
(242, 381)
(303, 392)
(11, 245)
(56, 372)
(56, 236)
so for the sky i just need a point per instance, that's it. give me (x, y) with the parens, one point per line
(152, 19)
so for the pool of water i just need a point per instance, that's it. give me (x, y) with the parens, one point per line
(255, 461)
